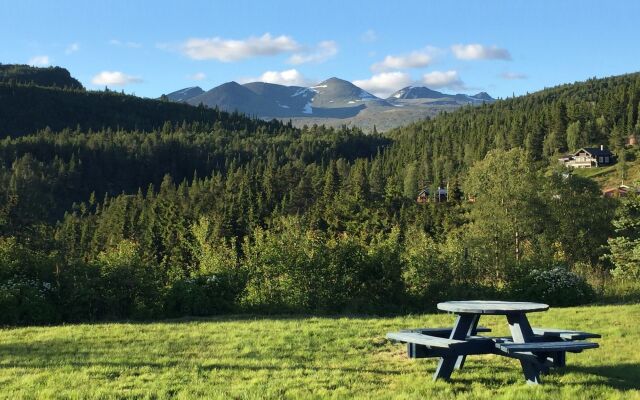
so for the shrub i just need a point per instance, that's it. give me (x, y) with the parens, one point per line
(292, 269)
(438, 271)
(201, 296)
(279, 264)
(556, 286)
(26, 302)
(129, 286)
(79, 294)
(426, 274)
(373, 283)
(26, 289)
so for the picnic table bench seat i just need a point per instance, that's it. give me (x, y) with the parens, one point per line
(564, 334)
(441, 332)
(422, 346)
(552, 347)
(424, 340)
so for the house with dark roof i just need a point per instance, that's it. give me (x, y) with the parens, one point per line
(589, 157)
(441, 194)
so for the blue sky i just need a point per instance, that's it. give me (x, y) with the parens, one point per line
(149, 48)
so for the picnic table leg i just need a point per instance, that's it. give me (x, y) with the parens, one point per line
(521, 332)
(470, 331)
(459, 332)
(560, 359)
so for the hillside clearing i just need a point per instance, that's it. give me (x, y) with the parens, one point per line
(300, 357)
(610, 176)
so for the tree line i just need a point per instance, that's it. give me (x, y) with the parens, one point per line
(235, 214)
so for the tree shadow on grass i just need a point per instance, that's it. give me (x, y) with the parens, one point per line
(243, 317)
(128, 365)
(616, 376)
(624, 376)
(60, 352)
(45, 354)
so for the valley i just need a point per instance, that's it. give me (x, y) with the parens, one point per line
(319, 200)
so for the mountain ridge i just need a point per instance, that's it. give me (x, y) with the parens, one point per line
(185, 94)
(333, 101)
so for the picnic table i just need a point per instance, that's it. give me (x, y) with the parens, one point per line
(537, 349)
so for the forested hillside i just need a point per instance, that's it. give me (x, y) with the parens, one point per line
(231, 214)
(26, 109)
(544, 124)
(28, 75)
(33, 99)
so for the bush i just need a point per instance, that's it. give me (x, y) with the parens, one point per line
(426, 273)
(556, 286)
(211, 286)
(79, 294)
(26, 289)
(373, 283)
(440, 271)
(129, 286)
(290, 269)
(201, 296)
(26, 302)
(280, 264)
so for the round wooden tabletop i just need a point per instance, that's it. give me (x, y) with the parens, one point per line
(491, 307)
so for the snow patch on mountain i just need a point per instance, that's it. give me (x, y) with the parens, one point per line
(364, 95)
(303, 92)
(185, 90)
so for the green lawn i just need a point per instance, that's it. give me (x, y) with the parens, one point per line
(302, 357)
(610, 176)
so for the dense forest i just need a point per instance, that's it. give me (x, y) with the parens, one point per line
(32, 99)
(543, 124)
(146, 209)
(48, 77)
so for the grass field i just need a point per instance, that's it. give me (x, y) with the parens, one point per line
(610, 176)
(301, 357)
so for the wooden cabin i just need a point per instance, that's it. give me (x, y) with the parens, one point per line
(424, 196)
(617, 191)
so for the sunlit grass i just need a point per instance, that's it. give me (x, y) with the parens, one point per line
(301, 357)
(610, 176)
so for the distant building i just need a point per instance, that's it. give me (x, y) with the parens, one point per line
(425, 196)
(618, 191)
(589, 157)
(632, 140)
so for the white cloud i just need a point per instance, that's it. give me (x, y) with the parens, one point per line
(114, 78)
(72, 48)
(290, 77)
(479, 52)
(321, 53)
(198, 76)
(383, 84)
(415, 59)
(369, 36)
(513, 76)
(227, 50)
(443, 79)
(39, 61)
(131, 45)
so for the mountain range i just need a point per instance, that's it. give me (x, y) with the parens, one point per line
(332, 102)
